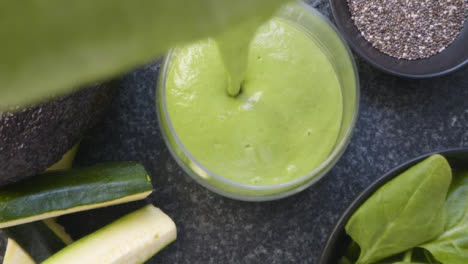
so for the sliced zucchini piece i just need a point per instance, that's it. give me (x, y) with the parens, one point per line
(47, 236)
(133, 238)
(62, 192)
(14, 254)
(39, 239)
(67, 160)
(58, 230)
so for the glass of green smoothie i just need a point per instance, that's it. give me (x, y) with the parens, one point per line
(287, 126)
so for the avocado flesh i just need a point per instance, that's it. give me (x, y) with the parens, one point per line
(33, 139)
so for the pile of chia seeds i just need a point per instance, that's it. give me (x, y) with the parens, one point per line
(409, 29)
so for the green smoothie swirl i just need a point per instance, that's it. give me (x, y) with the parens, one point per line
(285, 120)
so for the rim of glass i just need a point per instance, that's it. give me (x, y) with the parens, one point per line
(330, 160)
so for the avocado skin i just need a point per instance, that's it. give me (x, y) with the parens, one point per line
(33, 139)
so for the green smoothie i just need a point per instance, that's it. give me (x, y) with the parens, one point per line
(233, 46)
(283, 122)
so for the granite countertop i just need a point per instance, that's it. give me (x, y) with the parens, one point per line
(399, 119)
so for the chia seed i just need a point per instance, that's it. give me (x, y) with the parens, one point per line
(409, 29)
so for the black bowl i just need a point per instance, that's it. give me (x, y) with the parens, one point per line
(455, 56)
(338, 241)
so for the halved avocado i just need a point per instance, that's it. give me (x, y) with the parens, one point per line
(33, 139)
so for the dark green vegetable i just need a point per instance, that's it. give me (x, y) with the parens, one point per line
(405, 262)
(39, 239)
(351, 255)
(404, 213)
(424, 256)
(414, 256)
(345, 260)
(452, 246)
(61, 192)
(394, 259)
(407, 255)
(353, 251)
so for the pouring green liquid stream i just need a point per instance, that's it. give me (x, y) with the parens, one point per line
(234, 47)
(283, 124)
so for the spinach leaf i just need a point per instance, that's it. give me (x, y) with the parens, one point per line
(405, 262)
(424, 256)
(352, 252)
(345, 260)
(404, 213)
(452, 245)
(412, 256)
(49, 47)
(393, 259)
(407, 256)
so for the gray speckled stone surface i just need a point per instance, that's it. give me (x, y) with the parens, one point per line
(399, 119)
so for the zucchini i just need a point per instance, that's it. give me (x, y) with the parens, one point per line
(39, 240)
(45, 232)
(14, 254)
(133, 238)
(58, 230)
(62, 192)
(66, 161)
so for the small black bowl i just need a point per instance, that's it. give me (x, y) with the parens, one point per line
(455, 56)
(338, 241)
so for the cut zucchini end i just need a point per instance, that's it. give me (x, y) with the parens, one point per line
(130, 198)
(40, 239)
(67, 160)
(14, 254)
(133, 238)
(58, 230)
